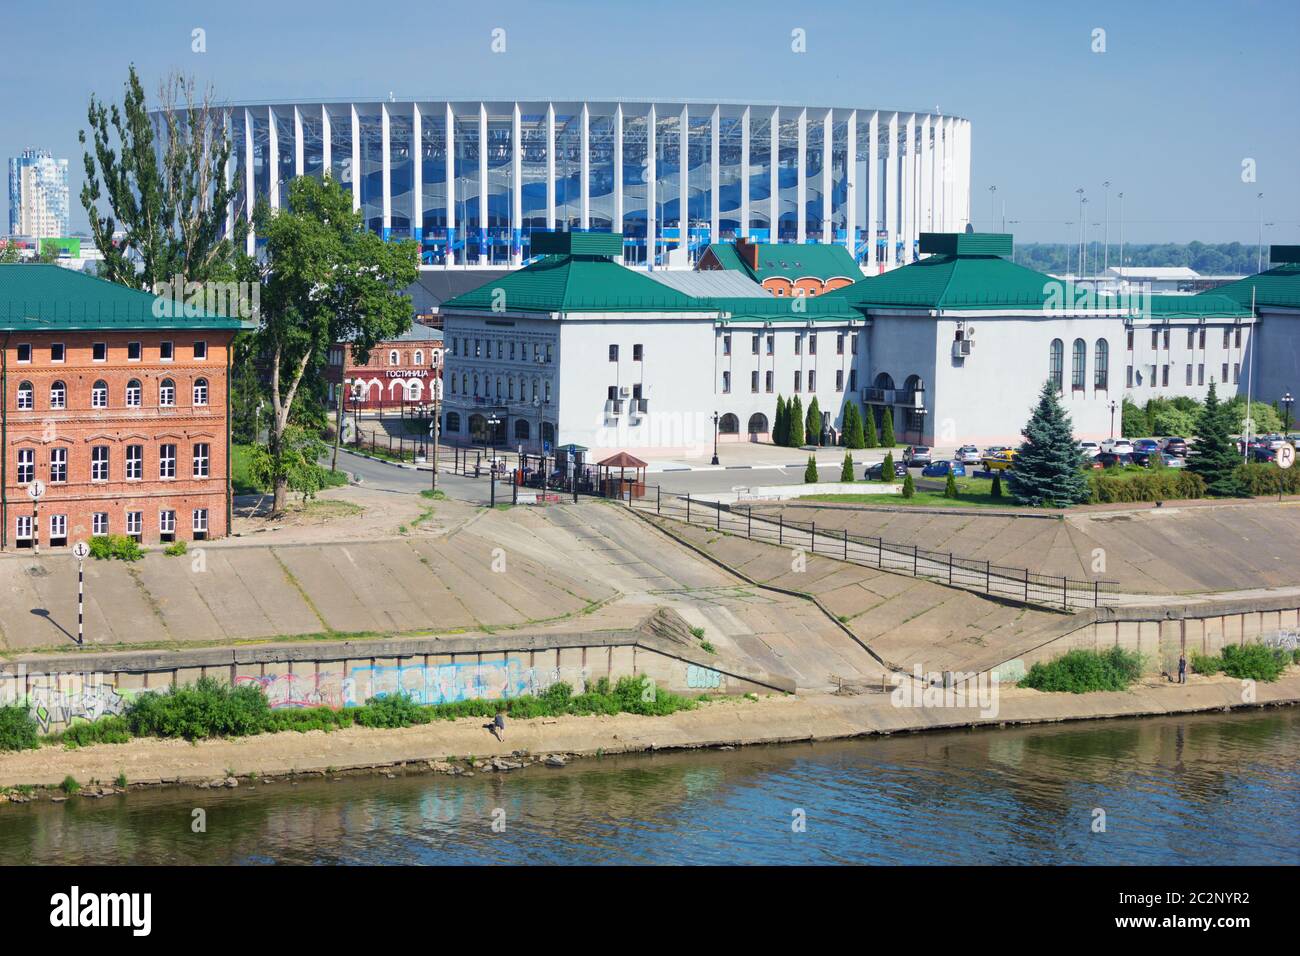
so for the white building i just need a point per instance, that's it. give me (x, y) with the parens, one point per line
(578, 349)
(38, 194)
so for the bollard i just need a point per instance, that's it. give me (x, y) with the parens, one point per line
(659, 493)
(688, 507)
(780, 529)
(846, 544)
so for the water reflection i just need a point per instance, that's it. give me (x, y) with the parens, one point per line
(1205, 789)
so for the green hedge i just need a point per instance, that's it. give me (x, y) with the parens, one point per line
(1261, 478)
(1160, 484)
(1081, 671)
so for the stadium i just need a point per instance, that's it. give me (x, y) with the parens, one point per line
(471, 181)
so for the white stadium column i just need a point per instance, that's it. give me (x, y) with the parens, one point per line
(616, 222)
(909, 194)
(828, 221)
(927, 178)
(891, 193)
(482, 184)
(715, 179)
(584, 169)
(356, 159)
(965, 172)
(249, 183)
(683, 180)
(272, 159)
(774, 148)
(744, 174)
(229, 173)
(651, 188)
(326, 151)
(939, 223)
(851, 184)
(801, 193)
(386, 167)
(449, 119)
(516, 188)
(873, 191)
(550, 166)
(297, 142)
(417, 172)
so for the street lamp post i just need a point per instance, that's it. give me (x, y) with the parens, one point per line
(1113, 405)
(436, 386)
(715, 438)
(1287, 402)
(1105, 236)
(492, 422)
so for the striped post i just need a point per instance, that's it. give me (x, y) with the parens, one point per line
(81, 591)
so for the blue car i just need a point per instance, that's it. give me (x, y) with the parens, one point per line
(942, 469)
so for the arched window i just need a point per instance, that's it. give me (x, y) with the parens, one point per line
(1078, 365)
(58, 395)
(200, 391)
(99, 394)
(1101, 365)
(392, 357)
(133, 393)
(452, 424)
(25, 394)
(912, 385)
(884, 380)
(521, 429)
(1056, 364)
(728, 424)
(758, 424)
(419, 357)
(548, 432)
(413, 391)
(167, 393)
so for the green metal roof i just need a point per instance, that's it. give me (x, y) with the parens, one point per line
(790, 261)
(966, 243)
(38, 297)
(953, 282)
(1279, 286)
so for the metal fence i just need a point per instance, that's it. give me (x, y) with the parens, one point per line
(1018, 584)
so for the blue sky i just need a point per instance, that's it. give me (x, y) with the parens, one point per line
(1184, 92)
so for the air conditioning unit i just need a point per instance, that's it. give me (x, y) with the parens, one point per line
(961, 348)
(625, 391)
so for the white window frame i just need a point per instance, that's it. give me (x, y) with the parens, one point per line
(135, 466)
(99, 394)
(167, 521)
(99, 460)
(59, 388)
(58, 527)
(135, 391)
(202, 459)
(135, 522)
(61, 454)
(99, 524)
(166, 461)
(26, 397)
(200, 391)
(170, 347)
(26, 463)
(166, 394)
(23, 528)
(199, 520)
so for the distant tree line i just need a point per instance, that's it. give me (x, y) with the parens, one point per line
(1230, 258)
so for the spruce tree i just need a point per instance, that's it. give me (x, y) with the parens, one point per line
(996, 490)
(950, 487)
(1047, 470)
(887, 430)
(1214, 454)
(810, 473)
(909, 486)
(813, 423)
(779, 423)
(887, 469)
(794, 423)
(870, 438)
(846, 470)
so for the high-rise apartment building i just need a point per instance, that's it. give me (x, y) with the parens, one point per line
(38, 194)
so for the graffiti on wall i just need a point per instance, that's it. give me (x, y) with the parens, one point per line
(50, 705)
(702, 677)
(317, 689)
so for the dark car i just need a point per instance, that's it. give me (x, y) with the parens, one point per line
(1113, 459)
(942, 469)
(1144, 450)
(1176, 446)
(876, 472)
(916, 456)
(1261, 453)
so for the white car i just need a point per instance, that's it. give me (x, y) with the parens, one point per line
(969, 455)
(1089, 449)
(1120, 446)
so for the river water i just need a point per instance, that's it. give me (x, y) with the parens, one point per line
(1220, 789)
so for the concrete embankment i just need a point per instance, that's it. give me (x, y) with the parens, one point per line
(731, 722)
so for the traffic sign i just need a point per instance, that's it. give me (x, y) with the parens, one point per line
(36, 490)
(81, 551)
(1286, 455)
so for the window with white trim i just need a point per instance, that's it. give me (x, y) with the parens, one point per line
(58, 530)
(58, 395)
(99, 463)
(167, 461)
(26, 465)
(99, 394)
(134, 393)
(199, 524)
(99, 523)
(200, 391)
(166, 351)
(99, 352)
(134, 462)
(200, 350)
(167, 525)
(201, 459)
(58, 465)
(167, 393)
(135, 524)
(25, 396)
(23, 531)
(24, 353)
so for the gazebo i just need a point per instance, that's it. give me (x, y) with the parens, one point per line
(612, 486)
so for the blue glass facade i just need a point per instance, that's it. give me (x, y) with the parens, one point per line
(471, 181)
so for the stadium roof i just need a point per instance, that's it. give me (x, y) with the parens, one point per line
(45, 297)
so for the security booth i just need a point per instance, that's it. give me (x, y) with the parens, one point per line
(622, 484)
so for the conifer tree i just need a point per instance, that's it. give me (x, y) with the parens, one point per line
(887, 430)
(794, 423)
(887, 469)
(779, 423)
(1214, 454)
(813, 423)
(846, 470)
(1046, 471)
(870, 439)
(909, 486)
(950, 487)
(853, 434)
(810, 473)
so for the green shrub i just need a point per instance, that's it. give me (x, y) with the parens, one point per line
(17, 728)
(1081, 671)
(106, 730)
(1113, 485)
(119, 546)
(175, 549)
(1206, 664)
(1295, 656)
(1254, 661)
(810, 472)
(887, 469)
(391, 710)
(70, 785)
(950, 487)
(909, 487)
(1262, 478)
(846, 470)
(206, 709)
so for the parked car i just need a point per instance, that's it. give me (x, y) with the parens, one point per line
(942, 469)
(917, 456)
(1173, 461)
(1261, 453)
(1117, 446)
(1089, 449)
(1001, 461)
(1114, 459)
(1175, 446)
(993, 450)
(876, 472)
(968, 455)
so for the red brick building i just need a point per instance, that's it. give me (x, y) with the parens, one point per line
(401, 371)
(121, 414)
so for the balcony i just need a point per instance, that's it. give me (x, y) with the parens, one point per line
(907, 397)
